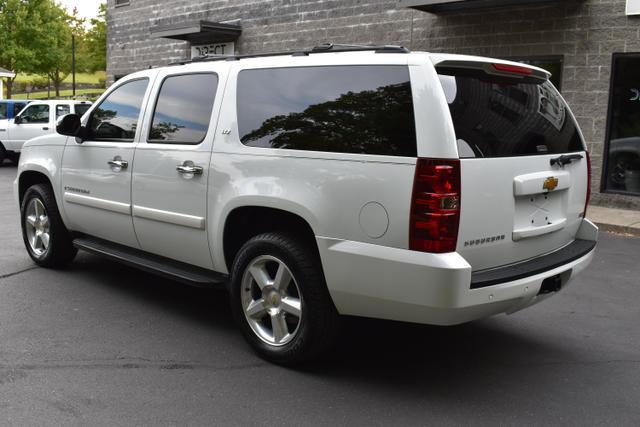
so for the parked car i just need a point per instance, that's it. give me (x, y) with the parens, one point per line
(9, 108)
(341, 180)
(623, 172)
(37, 119)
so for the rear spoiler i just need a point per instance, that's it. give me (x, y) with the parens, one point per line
(498, 69)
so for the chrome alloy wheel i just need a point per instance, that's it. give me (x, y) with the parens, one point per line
(36, 224)
(271, 300)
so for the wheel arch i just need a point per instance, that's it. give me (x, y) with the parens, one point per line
(29, 178)
(244, 222)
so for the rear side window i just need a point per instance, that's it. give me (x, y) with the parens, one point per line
(3, 111)
(345, 109)
(116, 118)
(497, 117)
(81, 108)
(62, 110)
(183, 109)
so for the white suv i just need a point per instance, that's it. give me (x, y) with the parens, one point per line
(342, 180)
(36, 119)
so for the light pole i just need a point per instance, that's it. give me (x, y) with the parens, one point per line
(73, 65)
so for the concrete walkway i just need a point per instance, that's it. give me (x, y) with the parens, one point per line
(616, 220)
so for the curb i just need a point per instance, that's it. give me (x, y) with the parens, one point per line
(621, 229)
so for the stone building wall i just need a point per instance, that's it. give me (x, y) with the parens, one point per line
(586, 34)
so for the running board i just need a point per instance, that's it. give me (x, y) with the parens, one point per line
(151, 263)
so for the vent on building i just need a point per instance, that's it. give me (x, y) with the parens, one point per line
(633, 7)
(436, 6)
(122, 2)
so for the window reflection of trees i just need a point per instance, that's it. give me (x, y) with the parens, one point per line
(376, 121)
(163, 130)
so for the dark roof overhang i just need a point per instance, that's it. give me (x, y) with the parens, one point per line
(436, 6)
(198, 32)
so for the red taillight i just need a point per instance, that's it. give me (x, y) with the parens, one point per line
(513, 69)
(586, 201)
(435, 206)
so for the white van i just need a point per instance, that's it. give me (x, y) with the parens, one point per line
(340, 180)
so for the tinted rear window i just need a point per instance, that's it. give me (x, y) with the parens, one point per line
(504, 118)
(347, 109)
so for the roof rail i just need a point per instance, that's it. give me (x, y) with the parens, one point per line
(322, 48)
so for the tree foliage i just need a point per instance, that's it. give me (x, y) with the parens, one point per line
(36, 38)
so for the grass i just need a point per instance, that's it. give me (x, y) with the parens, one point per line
(91, 78)
(89, 93)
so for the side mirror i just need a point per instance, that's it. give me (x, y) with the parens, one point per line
(69, 125)
(17, 120)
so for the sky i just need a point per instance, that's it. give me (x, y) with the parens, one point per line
(86, 8)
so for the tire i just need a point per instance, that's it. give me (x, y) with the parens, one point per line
(14, 156)
(256, 306)
(39, 216)
(3, 154)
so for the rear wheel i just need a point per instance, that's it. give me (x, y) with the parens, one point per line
(45, 236)
(3, 154)
(280, 301)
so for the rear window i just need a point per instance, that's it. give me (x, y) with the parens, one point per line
(497, 117)
(345, 109)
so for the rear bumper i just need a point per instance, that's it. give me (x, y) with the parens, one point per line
(398, 284)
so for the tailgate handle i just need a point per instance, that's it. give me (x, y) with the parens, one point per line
(565, 159)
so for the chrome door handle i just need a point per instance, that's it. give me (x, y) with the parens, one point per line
(187, 169)
(117, 164)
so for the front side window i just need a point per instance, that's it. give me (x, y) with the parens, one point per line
(17, 107)
(35, 114)
(623, 131)
(344, 109)
(183, 109)
(62, 110)
(116, 118)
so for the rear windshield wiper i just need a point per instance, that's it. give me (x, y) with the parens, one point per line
(565, 159)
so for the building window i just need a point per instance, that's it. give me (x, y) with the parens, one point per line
(122, 3)
(552, 64)
(622, 154)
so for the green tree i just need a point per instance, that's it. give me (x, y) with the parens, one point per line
(54, 43)
(94, 44)
(20, 23)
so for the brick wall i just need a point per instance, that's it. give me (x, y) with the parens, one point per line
(586, 33)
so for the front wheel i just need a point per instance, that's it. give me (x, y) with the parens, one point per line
(45, 236)
(280, 300)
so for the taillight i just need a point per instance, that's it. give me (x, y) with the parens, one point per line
(586, 201)
(435, 206)
(513, 69)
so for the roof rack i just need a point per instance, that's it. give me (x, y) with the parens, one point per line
(322, 48)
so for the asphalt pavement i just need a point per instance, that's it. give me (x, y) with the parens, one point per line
(103, 344)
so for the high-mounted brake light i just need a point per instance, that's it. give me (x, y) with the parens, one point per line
(588, 197)
(513, 69)
(435, 206)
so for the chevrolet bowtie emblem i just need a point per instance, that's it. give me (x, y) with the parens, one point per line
(550, 183)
